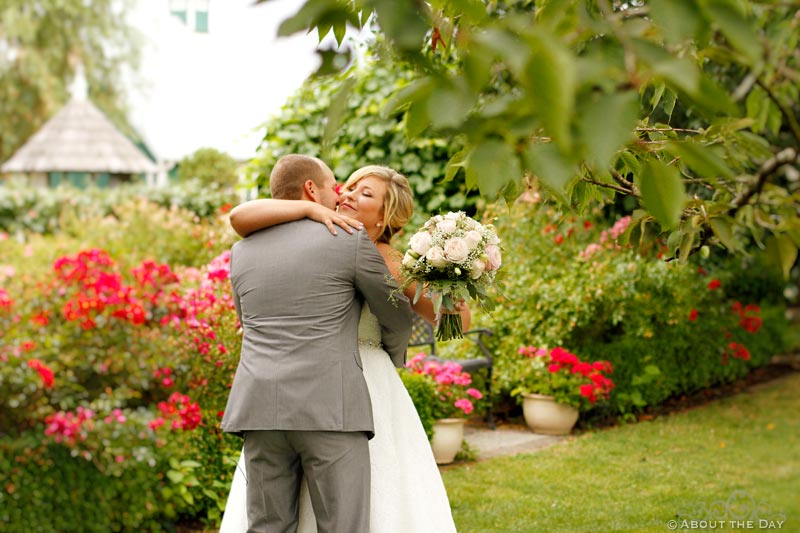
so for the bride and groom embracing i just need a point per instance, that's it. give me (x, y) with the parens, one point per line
(332, 441)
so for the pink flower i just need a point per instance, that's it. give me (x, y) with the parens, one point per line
(456, 250)
(473, 239)
(475, 393)
(465, 405)
(495, 259)
(436, 257)
(420, 242)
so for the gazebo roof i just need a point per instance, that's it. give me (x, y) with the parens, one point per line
(79, 138)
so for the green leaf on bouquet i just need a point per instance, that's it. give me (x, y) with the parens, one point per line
(418, 293)
(437, 302)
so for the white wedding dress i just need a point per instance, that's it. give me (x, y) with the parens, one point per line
(407, 493)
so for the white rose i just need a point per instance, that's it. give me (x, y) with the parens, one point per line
(435, 257)
(446, 226)
(453, 215)
(409, 260)
(495, 260)
(420, 242)
(456, 250)
(476, 268)
(473, 238)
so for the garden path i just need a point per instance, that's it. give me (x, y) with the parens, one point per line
(505, 440)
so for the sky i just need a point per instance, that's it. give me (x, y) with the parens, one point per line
(213, 90)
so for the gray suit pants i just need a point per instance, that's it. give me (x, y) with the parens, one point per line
(336, 466)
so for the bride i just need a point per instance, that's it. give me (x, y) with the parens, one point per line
(407, 493)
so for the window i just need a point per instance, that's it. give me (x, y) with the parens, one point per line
(179, 8)
(188, 11)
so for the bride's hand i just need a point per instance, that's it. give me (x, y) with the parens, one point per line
(331, 219)
(458, 307)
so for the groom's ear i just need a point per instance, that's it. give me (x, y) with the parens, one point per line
(310, 191)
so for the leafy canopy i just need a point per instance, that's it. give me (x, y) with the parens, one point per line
(690, 108)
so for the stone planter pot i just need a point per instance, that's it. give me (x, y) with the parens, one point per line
(544, 415)
(448, 434)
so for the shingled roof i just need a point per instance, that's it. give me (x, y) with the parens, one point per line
(79, 138)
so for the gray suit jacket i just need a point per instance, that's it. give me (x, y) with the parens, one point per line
(298, 292)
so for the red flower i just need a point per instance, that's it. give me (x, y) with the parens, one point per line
(587, 391)
(558, 239)
(48, 378)
(714, 284)
(693, 315)
(225, 208)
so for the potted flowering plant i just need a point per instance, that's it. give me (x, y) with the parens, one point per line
(447, 399)
(555, 385)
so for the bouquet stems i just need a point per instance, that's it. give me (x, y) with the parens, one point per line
(449, 327)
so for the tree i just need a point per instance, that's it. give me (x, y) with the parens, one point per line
(41, 44)
(688, 107)
(209, 166)
(362, 135)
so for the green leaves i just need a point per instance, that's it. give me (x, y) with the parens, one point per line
(605, 124)
(782, 252)
(550, 78)
(678, 19)
(703, 160)
(735, 26)
(549, 166)
(662, 192)
(492, 165)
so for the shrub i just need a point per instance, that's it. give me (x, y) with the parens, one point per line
(126, 368)
(209, 167)
(42, 210)
(667, 328)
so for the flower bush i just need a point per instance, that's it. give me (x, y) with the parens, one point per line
(449, 386)
(121, 363)
(665, 326)
(560, 374)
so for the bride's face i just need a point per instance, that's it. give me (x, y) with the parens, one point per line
(363, 201)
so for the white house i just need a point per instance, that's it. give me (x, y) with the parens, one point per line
(212, 71)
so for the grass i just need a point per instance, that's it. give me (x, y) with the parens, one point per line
(734, 459)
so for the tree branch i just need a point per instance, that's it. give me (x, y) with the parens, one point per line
(784, 157)
(619, 178)
(611, 186)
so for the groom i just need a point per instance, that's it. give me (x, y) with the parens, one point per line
(299, 397)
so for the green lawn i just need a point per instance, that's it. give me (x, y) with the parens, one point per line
(734, 459)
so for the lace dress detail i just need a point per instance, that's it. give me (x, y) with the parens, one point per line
(407, 493)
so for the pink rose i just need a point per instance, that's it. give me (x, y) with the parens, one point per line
(421, 242)
(446, 226)
(473, 238)
(456, 250)
(495, 259)
(477, 268)
(435, 256)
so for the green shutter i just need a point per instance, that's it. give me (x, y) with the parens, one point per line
(181, 14)
(201, 21)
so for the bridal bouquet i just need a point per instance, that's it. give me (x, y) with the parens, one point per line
(452, 258)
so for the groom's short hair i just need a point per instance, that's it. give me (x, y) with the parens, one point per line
(291, 172)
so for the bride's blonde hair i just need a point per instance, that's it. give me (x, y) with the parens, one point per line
(398, 202)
